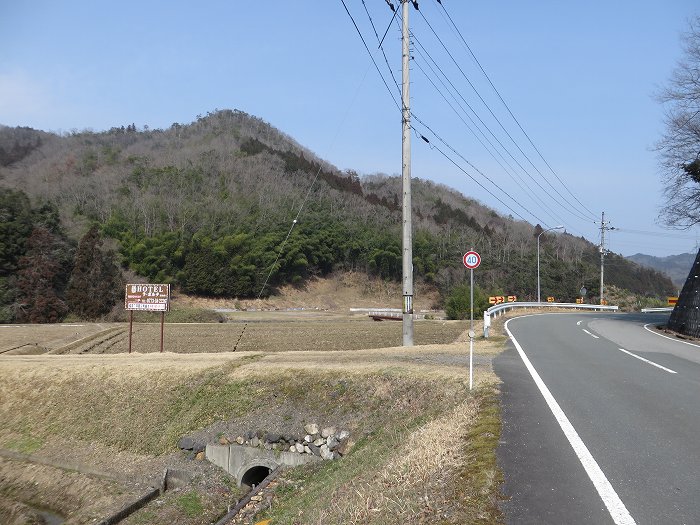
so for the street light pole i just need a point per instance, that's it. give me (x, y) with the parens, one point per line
(539, 300)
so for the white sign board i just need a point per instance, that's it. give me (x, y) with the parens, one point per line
(148, 297)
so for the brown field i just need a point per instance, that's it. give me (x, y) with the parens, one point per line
(88, 405)
(263, 333)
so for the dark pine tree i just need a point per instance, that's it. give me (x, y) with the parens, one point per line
(39, 277)
(95, 283)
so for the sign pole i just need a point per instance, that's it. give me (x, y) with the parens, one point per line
(131, 324)
(162, 323)
(471, 260)
(471, 327)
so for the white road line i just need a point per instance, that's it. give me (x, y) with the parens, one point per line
(646, 327)
(618, 511)
(650, 362)
(592, 335)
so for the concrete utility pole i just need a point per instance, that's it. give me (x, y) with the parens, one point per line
(406, 186)
(603, 227)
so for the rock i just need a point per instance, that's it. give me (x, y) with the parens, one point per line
(240, 440)
(223, 440)
(345, 446)
(256, 498)
(343, 434)
(299, 448)
(293, 448)
(319, 442)
(198, 447)
(332, 442)
(316, 451)
(254, 442)
(307, 450)
(311, 428)
(267, 446)
(326, 452)
(185, 443)
(275, 446)
(271, 437)
(328, 431)
(249, 435)
(200, 456)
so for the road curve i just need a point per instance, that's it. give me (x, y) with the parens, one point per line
(629, 395)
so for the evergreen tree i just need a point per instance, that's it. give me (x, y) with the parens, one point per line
(95, 283)
(39, 277)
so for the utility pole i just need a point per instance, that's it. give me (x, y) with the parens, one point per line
(603, 226)
(407, 259)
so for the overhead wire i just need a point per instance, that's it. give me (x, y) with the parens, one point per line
(512, 173)
(569, 209)
(386, 60)
(476, 169)
(461, 156)
(451, 149)
(498, 94)
(498, 121)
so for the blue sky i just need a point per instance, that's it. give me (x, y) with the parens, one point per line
(580, 78)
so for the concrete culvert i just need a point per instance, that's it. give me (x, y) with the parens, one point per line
(254, 476)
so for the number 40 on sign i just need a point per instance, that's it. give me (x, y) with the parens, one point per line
(471, 260)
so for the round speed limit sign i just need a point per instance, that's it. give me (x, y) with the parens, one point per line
(471, 260)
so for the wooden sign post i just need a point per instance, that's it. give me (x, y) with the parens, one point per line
(150, 298)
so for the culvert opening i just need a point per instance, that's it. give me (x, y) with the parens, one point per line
(254, 476)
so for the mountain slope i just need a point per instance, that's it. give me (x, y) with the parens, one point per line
(676, 267)
(210, 206)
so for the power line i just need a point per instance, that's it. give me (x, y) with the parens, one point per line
(391, 71)
(494, 115)
(512, 173)
(509, 110)
(469, 175)
(570, 208)
(376, 66)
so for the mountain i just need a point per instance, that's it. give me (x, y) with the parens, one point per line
(676, 267)
(230, 206)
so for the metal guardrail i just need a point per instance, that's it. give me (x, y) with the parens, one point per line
(651, 310)
(502, 308)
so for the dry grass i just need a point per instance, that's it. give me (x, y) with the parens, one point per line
(408, 409)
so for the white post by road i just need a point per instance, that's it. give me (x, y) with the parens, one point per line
(471, 260)
(471, 327)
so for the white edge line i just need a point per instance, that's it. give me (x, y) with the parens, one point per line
(614, 504)
(592, 335)
(650, 362)
(646, 327)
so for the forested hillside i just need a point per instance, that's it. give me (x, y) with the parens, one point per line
(207, 206)
(676, 267)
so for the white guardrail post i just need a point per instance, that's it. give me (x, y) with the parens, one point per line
(503, 307)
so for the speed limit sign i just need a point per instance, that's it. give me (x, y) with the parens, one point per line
(471, 260)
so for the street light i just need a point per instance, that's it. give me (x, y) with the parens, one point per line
(538, 258)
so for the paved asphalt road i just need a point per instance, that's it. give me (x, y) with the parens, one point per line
(635, 426)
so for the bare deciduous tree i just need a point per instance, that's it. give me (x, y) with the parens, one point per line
(679, 147)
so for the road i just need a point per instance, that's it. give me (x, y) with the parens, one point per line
(619, 439)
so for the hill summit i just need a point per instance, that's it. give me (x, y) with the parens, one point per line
(230, 206)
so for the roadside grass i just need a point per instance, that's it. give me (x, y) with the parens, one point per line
(191, 504)
(424, 447)
(436, 467)
(24, 443)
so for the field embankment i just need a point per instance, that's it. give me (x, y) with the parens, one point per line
(422, 441)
